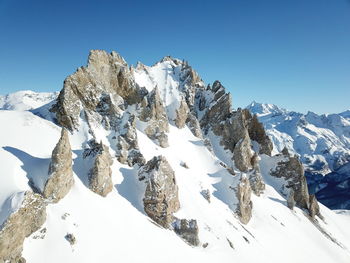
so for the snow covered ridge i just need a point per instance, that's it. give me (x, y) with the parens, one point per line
(321, 141)
(26, 100)
(150, 159)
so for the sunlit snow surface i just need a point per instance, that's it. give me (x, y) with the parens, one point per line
(116, 229)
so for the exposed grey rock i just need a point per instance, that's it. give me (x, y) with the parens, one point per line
(285, 151)
(314, 209)
(291, 169)
(60, 178)
(184, 165)
(256, 182)
(255, 179)
(182, 114)
(242, 154)
(208, 145)
(127, 148)
(187, 230)
(245, 205)
(71, 239)
(104, 74)
(206, 194)
(161, 195)
(257, 133)
(153, 112)
(100, 176)
(21, 224)
(230, 243)
(231, 127)
(290, 200)
(193, 123)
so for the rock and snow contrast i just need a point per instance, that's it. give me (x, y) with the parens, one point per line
(321, 141)
(149, 164)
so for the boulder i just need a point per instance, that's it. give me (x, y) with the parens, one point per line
(187, 230)
(60, 179)
(161, 195)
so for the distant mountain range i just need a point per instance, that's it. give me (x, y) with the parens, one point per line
(321, 141)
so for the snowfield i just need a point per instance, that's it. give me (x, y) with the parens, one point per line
(116, 228)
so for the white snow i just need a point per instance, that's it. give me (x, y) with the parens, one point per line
(26, 100)
(116, 229)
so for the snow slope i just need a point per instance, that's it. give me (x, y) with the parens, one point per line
(116, 229)
(26, 100)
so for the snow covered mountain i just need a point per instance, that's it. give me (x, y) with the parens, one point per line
(321, 141)
(150, 164)
(26, 100)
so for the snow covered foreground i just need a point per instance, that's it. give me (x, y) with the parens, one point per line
(116, 229)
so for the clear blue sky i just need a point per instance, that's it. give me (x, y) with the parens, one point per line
(293, 53)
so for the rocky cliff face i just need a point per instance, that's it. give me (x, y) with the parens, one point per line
(26, 220)
(105, 74)
(60, 178)
(291, 169)
(161, 196)
(153, 112)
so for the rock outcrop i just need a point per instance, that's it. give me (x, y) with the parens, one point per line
(245, 205)
(161, 194)
(193, 124)
(255, 179)
(292, 171)
(257, 133)
(29, 217)
(182, 114)
(127, 148)
(187, 230)
(230, 126)
(154, 113)
(314, 208)
(86, 88)
(60, 178)
(100, 175)
(290, 200)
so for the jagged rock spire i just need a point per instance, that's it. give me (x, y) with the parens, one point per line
(60, 178)
(161, 196)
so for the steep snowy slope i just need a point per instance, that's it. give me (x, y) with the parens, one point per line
(322, 142)
(208, 184)
(26, 100)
